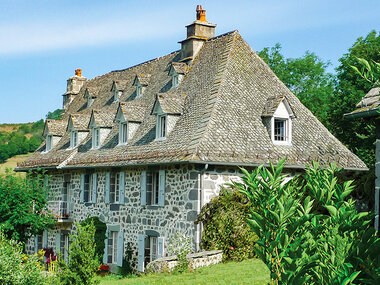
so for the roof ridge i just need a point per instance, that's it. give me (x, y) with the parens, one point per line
(213, 97)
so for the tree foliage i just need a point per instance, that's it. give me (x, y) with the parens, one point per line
(55, 115)
(23, 206)
(309, 231)
(99, 236)
(82, 265)
(224, 227)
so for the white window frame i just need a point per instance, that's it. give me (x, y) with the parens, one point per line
(123, 133)
(175, 80)
(95, 138)
(73, 139)
(49, 142)
(152, 188)
(161, 130)
(64, 244)
(88, 187)
(90, 100)
(112, 247)
(287, 131)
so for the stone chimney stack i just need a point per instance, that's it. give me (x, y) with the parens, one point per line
(197, 33)
(74, 84)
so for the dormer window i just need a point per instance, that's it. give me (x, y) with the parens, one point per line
(73, 139)
(281, 130)
(123, 133)
(95, 137)
(49, 139)
(138, 91)
(175, 80)
(89, 101)
(161, 127)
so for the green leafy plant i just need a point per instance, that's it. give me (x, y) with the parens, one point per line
(82, 265)
(99, 237)
(179, 245)
(224, 225)
(308, 228)
(370, 70)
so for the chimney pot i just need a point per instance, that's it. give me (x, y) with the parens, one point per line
(78, 72)
(201, 13)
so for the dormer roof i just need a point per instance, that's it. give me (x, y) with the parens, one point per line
(142, 78)
(79, 122)
(170, 103)
(272, 105)
(90, 92)
(119, 85)
(178, 67)
(55, 127)
(133, 111)
(101, 119)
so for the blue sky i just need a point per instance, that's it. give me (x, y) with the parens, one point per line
(43, 42)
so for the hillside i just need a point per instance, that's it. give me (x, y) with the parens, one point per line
(11, 163)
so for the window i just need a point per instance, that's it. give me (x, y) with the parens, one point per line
(49, 139)
(161, 126)
(150, 249)
(280, 130)
(115, 95)
(175, 80)
(64, 207)
(73, 139)
(138, 91)
(112, 247)
(88, 187)
(89, 101)
(152, 188)
(64, 245)
(114, 187)
(95, 137)
(123, 133)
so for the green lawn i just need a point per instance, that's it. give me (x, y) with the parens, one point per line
(247, 272)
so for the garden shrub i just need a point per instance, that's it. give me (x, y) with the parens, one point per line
(179, 245)
(224, 225)
(82, 265)
(17, 268)
(99, 237)
(309, 232)
(129, 261)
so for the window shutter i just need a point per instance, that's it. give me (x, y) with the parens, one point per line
(160, 245)
(94, 186)
(82, 187)
(108, 185)
(36, 244)
(140, 266)
(122, 187)
(57, 242)
(143, 187)
(45, 239)
(105, 255)
(161, 189)
(120, 248)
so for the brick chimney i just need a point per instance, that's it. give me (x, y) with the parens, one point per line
(197, 33)
(74, 84)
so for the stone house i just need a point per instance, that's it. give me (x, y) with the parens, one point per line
(144, 148)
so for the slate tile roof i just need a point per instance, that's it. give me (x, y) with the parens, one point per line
(55, 127)
(80, 121)
(103, 119)
(179, 67)
(369, 104)
(221, 100)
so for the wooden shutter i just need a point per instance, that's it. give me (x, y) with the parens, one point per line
(161, 189)
(94, 186)
(141, 244)
(108, 186)
(122, 187)
(120, 248)
(45, 239)
(57, 242)
(105, 255)
(160, 247)
(82, 187)
(143, 187)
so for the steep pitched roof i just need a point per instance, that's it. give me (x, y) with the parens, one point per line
(102, 119)
(133, 110)
(55, 127)
(368, 106)
(80, 121)
(221, 115)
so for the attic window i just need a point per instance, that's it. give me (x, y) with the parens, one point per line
(95, 138)
(138, 91)
(281, 124)
(73, 139)
(175, 80)
(123, 133)
(49, 139)
(89, 101)
(161, 127)
(281, 130)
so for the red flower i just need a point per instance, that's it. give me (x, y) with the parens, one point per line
(232, 248)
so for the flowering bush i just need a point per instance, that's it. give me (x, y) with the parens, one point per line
(104, 267)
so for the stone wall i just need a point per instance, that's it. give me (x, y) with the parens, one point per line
(196, 260)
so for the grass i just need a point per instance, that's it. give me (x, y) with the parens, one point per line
(251, 271)
(12, 162)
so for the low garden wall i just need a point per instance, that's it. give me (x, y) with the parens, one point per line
(196, 260)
